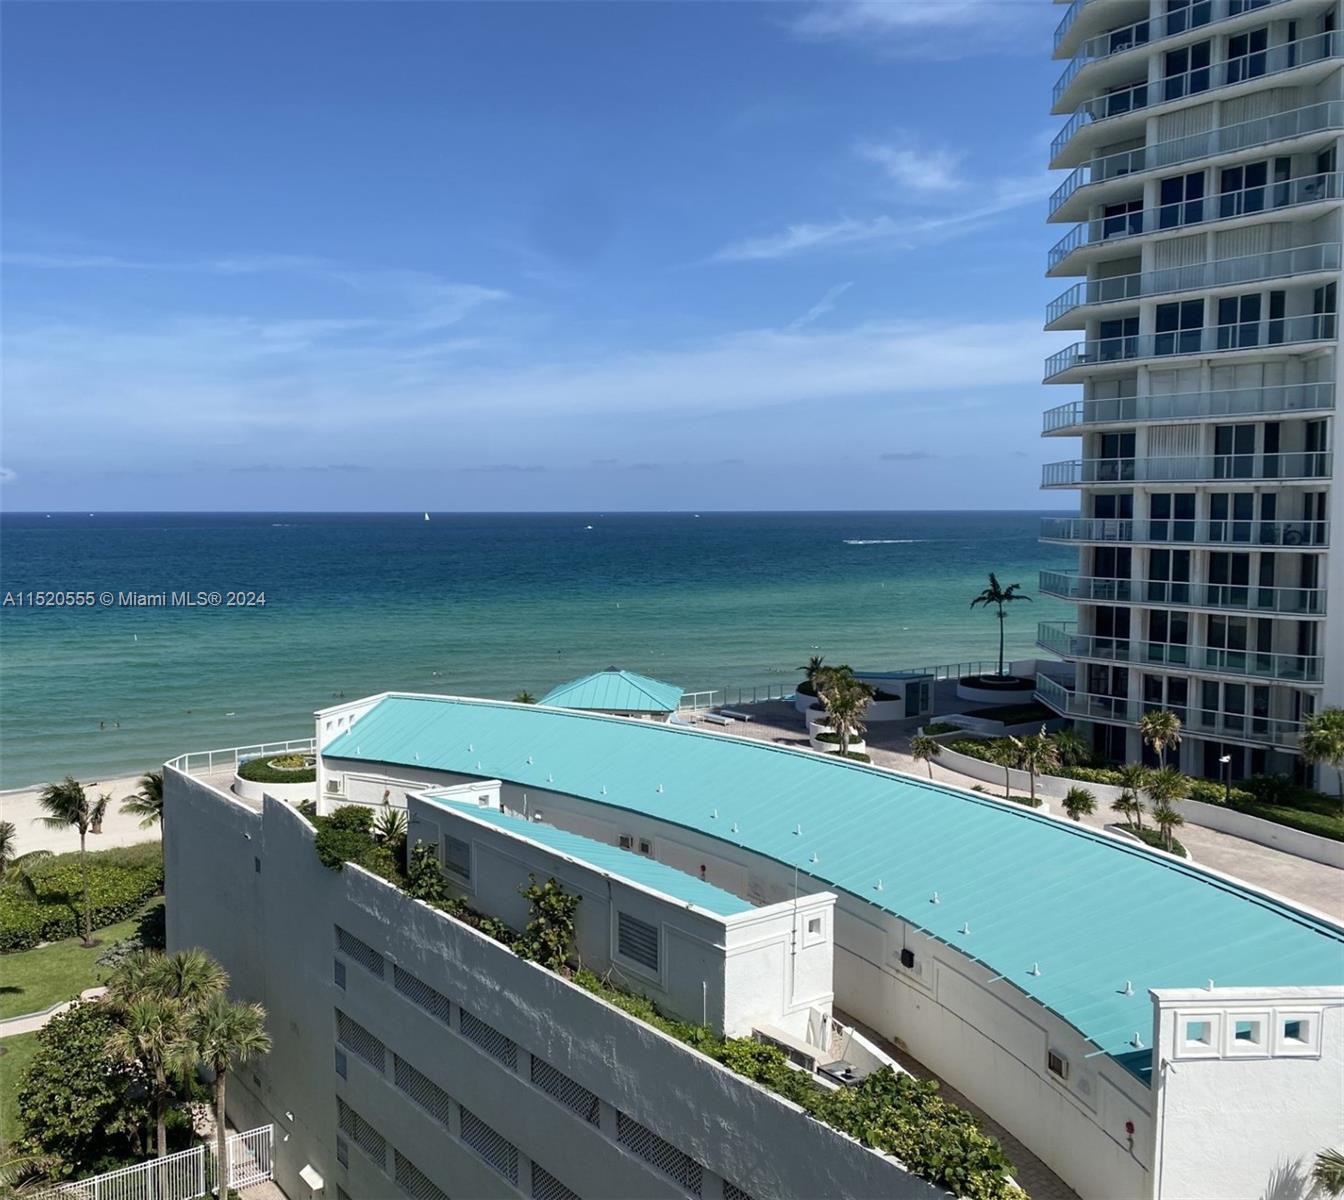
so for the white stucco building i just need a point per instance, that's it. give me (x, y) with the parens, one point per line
(1203, 205)
(1144, 1027)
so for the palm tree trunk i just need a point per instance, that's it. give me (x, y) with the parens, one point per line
(223, 1176)
(1001, 616)
(1033, 787)
(1006, 779)
(84, 878)
(161, 1119)
(929, 763)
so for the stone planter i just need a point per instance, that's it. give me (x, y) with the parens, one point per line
(983, 691)
(289, 793)
(855, 747)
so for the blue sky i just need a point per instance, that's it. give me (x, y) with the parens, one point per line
(516, 256)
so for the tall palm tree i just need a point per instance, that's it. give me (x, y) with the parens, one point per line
(1163, 788)
(1006, 754)
(12, 862)
(147, 803)
(846, 701)
(1036, 753)
(925, 748)
(1133, 779)
(1323, 742)
(68, 804)
(153, 1033)
(999, 595)
(226, 1033)
(1160, 730)
(1079, 802)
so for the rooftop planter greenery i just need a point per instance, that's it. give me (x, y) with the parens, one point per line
(279, 768)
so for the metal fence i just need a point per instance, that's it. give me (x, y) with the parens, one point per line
(210, 760)
(187, 1175)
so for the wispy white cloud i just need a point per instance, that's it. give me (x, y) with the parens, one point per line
(911, 168)
(823, 306)
(910, 28)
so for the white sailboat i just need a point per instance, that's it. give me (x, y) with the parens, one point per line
(426, 516)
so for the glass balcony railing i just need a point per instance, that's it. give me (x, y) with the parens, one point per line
(1256, 728)
(1263, 63)
(1192, 406)
(1228, 597)
(1249, 335)
(1067, 20)
(1188, 468)
(1305, 535)
(1141, 33)
(1297, 122)
(1063, 638)
(1288, 193)
(1247, 268)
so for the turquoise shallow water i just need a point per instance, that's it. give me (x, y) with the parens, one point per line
(473, 604)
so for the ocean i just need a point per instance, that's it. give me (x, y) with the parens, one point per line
(476, 604)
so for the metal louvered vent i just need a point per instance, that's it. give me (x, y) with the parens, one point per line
(573, 1095)
(414, 1182)
(637, 940)
(674, 1163)
(546, 1186)
(491, 1145)
(359, 1131)
(418, 992)
(489, 1039)
(423, 1090)
(358, 1040)
(361, 952)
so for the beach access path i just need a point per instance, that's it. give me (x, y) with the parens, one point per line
(21, 806)
(1314, 884)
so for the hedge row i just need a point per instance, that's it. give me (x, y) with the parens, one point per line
(120, 881)
(263, 770)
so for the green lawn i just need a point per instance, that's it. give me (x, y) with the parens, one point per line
(15, 1055)
(37, 979)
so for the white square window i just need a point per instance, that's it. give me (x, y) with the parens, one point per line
(645, 846)
(1295, 1033)
(1057, 1064)
(1247, 1033)
(1199, 1033)
(814, 925)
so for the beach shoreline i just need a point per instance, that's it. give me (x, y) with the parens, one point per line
(22, 807)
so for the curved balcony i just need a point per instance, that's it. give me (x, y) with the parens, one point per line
(1076, 417)
(1253, 729)
(1223, 597)
(1242, 205)
(1111, 108)
(1227, 139)
(1188, 468)
(1088, 18)
(1213, 339)
(1293, 535)
(1115, 42)
(1062, 638)
(1195, 277)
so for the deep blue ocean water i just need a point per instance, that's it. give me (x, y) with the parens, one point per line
(467, 603)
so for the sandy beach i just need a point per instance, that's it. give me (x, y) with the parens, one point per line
(119, 829)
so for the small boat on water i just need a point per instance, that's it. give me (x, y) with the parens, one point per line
(426, 516)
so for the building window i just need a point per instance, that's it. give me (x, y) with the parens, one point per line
(1246, 1034)
(1295, 1030)
(637, 940)
(1199, 1033)
(814, 925)
(457, 856)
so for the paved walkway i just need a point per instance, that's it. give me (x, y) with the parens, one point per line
(1037, 1180)
(32, 1022)
(1298, 879)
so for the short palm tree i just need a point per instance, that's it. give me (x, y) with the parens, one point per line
(1005, 753)
(67, 804)
(1079, 802)
(1161, 731)
(1073, 749)
(1323, 742)
(189, 977)
(1133, 779)
(846, 701)
(815, 665)
(998, 595)
(1163, 788)
(1129, 806)
(153, 1033)
(524, 697)
(390, 823)
(225, 1033)
(1036, 754)
(147, 803)
(11, 861)
(925, 748)
(1327, 1173)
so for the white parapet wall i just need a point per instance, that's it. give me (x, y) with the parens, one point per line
(1245, 1058)
(409, 1047)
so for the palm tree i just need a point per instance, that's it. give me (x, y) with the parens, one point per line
(996, 594)
(12, 863)
(225, 1033)
(190, 977)
(813, 668)
(1164, 787)
(1073, 749)
(68, 804)
(524, 697)
(1036, 753)
(1323, 741)
(925, 748)
(1079, 802)
(153, 1034)
(1133, 779)
(390, 823)
(1006, 754)
(1129, 806)
(1160, 729)
(846, 700)
(147, 803)
(1327, 1173)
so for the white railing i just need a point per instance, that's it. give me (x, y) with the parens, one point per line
(186, 1175)
(232, 756)
(1181, 406)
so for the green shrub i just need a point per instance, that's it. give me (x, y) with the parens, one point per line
(120, 881)
(271, 769)
(1152, 838)
(935, 728)
(346, 835)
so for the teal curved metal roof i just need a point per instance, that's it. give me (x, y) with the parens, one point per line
(1094, 913)
(611, 860)
(615, 691)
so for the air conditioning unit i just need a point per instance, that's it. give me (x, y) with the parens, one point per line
(333, 785)
(1057, 1064)
(625, 842)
